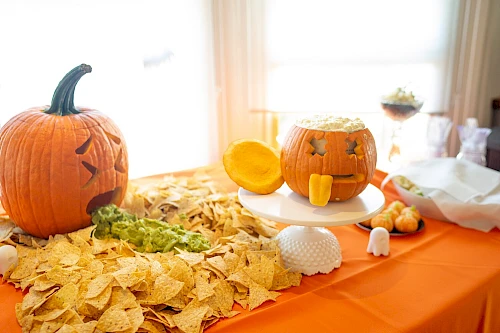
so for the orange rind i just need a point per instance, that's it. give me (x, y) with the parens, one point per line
(254, 165)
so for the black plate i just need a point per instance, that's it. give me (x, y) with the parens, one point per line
(421, 226)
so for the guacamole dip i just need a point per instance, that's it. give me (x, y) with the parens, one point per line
(148, 235)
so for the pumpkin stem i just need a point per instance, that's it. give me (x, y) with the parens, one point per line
(63, 98)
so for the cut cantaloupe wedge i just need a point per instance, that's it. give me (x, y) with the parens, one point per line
(253, 165)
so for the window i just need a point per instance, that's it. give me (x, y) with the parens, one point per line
(152, 70)
(182, 79)
(342, 56)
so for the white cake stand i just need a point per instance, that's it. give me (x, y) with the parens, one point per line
(306, 246)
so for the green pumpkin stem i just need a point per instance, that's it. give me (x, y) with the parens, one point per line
(63, 98)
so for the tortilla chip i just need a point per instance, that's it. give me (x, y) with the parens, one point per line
(191, 258)
(64, 253)
(224, 293)
(135, 317)
(219, 263)
(114, 319)
(180, 271)
(203, 288)
(25, 267)
(165, 288)
(63, 276)
(33, 300)
(259, 294)
(67, 329)
(126, 276)
(98, 285)
(88, 327)
(241, 298)
(63, 298)
(48, 315)
(231, 259)
(153, 327)
(189, 320)
(123, 297)
(101, 300)
(262, 272)
(6, 229)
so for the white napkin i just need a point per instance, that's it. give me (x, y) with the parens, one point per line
(466, 193)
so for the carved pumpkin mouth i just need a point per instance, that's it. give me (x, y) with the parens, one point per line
(320, 186)
(352, 178)
(103, 199)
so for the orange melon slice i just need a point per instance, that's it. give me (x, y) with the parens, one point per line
(253, 165)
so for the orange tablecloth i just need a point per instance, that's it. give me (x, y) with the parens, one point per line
(443, 279)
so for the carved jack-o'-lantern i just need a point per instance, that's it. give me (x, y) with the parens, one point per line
(328, 165)
(58, 163)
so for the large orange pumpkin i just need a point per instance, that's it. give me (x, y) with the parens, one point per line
(59, 163)
(347, 160)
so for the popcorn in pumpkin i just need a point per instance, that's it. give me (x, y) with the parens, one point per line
(59, 162)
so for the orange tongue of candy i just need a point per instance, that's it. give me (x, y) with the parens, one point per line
(320, 189)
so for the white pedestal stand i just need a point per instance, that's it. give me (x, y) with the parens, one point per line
(306, 246)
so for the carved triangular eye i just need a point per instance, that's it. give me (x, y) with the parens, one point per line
(94, 171)
(85, 147)
(118, 162)
(319, 146)
(113, 138)
(350, 147)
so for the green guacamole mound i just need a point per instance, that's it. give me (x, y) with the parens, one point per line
(148, 235)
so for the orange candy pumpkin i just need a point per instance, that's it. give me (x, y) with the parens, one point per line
(349, 158)
(413, 211)
(58, 163)
(384, 221)
(392, 213)
(406, 223)
(396, 205)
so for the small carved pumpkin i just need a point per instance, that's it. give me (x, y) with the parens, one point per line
(334, 165)
(58, 163)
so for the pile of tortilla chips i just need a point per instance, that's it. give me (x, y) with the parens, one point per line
(78, 283)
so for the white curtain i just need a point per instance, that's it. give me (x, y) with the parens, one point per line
(152, 73)
(342, 56)
(476, 73)
(239, 37)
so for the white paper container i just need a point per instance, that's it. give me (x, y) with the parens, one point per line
(425, 206)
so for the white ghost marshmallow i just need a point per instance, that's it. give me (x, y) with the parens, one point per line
(379, 242)
(8, 256)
